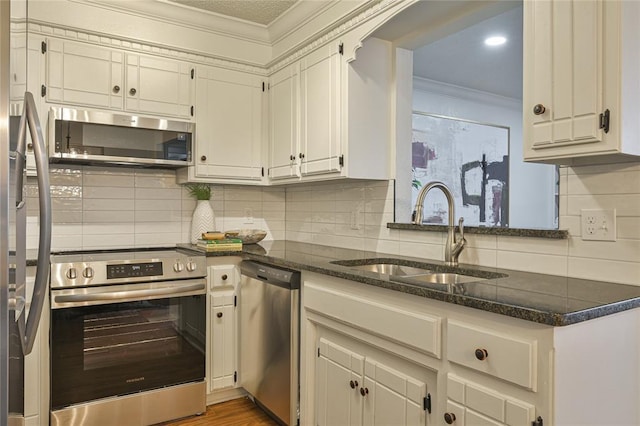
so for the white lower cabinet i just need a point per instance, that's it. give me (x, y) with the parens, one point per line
(223, 327)
(473, 367)
(469, 403)
(353, 388)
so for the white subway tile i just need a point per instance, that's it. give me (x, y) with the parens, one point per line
(479, 256)
(107, 228)
(623, 250)
(107, 241)
(158, 227)
(532, 262)
(167, 239)
(173, 205)
(107, 192)
(103, 204)
(108, 180)
(145, 181)
(604, 183)
(605, 270)
(108, 216)
(625, 205)
(628, 227)
(157, 193)
(157, 216)
(533, 245)
(427, 252)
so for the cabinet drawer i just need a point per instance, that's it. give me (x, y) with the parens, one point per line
(500, 355)
(222, 275)
(415, 329)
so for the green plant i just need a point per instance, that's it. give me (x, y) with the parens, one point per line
(200, 191)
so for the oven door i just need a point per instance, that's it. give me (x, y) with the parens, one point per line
(120, 340)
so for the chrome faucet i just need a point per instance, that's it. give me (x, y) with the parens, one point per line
(452, 248)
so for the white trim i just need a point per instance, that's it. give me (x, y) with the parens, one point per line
(48, 30)
(431, 86)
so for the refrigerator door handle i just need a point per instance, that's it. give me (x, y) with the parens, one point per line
(29, 326)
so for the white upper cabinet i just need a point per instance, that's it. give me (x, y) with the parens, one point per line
(330, 118)
(580, 81)
(93, 76)
(229, 125)
(283, 128)
(320, 110)
(156, 85)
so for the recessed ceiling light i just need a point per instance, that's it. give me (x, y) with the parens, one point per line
(495, 41)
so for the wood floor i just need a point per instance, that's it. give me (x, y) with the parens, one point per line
(238, 412)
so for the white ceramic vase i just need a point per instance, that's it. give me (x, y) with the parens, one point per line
(203, 220)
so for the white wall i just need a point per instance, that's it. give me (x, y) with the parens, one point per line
(532, 193)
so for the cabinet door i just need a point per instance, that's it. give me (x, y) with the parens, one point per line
(223, 340)
(564, 77)
(229, 124)
(391, 397)
(339, 375)
(158, 86)
(283, 118)
(84, 74)
(320, 112)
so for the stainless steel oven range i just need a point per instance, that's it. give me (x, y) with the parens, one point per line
(127, 336)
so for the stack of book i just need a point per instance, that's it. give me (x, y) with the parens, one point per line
(226, 244)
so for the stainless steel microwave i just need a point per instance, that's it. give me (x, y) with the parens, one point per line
(87, 137)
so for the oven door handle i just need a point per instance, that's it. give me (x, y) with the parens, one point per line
(86, 299)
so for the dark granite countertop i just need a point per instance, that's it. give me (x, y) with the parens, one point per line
(558, 234)
(546, 299)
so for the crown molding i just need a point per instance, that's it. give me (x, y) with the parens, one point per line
(188, 17)
(107, 40)
(451, 90)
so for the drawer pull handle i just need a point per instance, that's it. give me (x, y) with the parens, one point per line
(449, 418)
(353, 384)
(364, 391)
(219, 314)
(224, 277)
(481, 354)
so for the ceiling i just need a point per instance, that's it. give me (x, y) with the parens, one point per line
(258, 11)
(462, 59)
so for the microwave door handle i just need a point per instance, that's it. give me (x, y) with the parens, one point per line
(28, 333)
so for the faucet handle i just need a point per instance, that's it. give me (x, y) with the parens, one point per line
(461, 228)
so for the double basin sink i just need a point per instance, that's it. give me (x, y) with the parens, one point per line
(439, 277)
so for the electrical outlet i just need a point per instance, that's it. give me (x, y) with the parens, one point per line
(248, 216)
(598, 225)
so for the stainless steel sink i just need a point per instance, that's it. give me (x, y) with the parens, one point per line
(390, 269)
(443, 278)
(437, 277)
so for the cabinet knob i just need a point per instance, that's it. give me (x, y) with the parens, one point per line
(353, 384)
(301, 155)
(29, 147)
(449, 418)
(539, 109)
(481, 354)
(132, 91)
(203, 158)
(224, 277)
(219, 314)
(292, 157)
(116, 89)
(364, 391)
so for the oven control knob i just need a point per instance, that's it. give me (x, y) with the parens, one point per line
(88, 272)
(192, 266)
(178, 266)
(72, 273)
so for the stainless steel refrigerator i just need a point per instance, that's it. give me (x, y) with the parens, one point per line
(19, 312)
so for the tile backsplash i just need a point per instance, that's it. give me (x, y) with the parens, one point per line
(97, 207)
(107, 207)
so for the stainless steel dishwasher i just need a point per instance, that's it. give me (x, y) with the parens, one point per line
(270, 339)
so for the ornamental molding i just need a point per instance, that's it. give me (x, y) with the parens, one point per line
(106, 40)
(328, 34)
